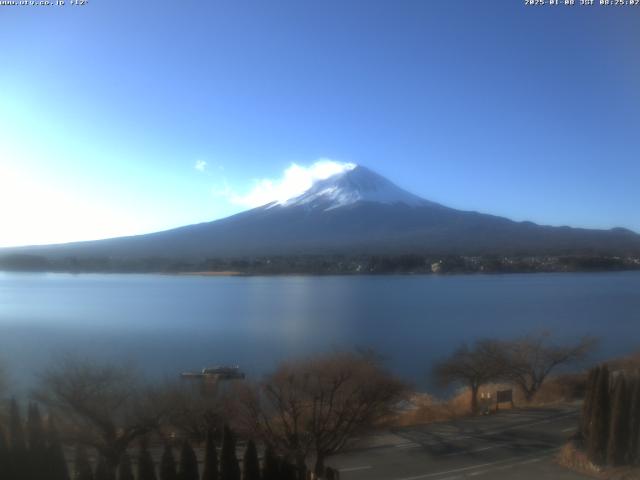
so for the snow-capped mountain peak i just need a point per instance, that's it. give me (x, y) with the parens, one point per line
(357, 184)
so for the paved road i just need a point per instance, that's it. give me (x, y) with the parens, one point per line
(518, 444)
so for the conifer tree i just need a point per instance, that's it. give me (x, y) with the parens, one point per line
(229, 468)
(210, 470)
(618, 445)
(56, 461)
(188, 463)
(125, 471)
(599, 429)
(16, 430)
(587, 406)
(146, 468)
(18, 462)
(168, 470)
(250, 462)
(104, 471)
(330, 474)
(270, 466)
(82, 466)
(4, 455)
(37, 443)
(634, 425)
(287, 470)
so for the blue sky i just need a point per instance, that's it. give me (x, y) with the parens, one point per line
(124, 117)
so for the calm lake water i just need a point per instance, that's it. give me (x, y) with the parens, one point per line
(168, 324)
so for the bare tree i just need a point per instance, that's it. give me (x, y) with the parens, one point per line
(196, 411)
(102, 406)
(472, 367)
(314, 408)
(531, 359)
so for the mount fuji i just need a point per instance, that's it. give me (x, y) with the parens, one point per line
(356, 211)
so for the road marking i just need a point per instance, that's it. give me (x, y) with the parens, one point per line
(515, 427)
(408, 445)
(436, 474)
(572, 429)
(450, 437)
(465, 452)
(482, 465)
(355, 469)
(533, 460)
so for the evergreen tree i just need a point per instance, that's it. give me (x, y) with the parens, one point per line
(18, 462)
(188, 463)
(37, 444)
(168, 469)
(634, 426)
(250, 462)
(104, 471)
(210, 471)
(4, 455)
(599, 429)
(146, 468)
(16, 431)
(587, 406)
(56, 461)
(270, 467)
(618, 446)
(125, 471)
(229, 468)
(287, 470)
(82, 466)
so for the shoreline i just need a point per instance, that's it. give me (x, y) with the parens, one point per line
(231, 273)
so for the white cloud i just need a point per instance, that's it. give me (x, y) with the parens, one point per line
(200, 165)
(295, 180)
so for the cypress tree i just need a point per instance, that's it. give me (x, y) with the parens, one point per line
(599, 429)
(210, 471)
(270, 467)
(168, 469)
(37, 443)
(229, 468)
(287, 470)
(618, 446)
(330, 474)
(125, 471)
(56, 461)
(4, 455)
(250, 462)
(634, 426)
(18, 462)
(587, 406)
(82, 466)
(146, 468)
(188, 463)
(104, 471)
(16, 431)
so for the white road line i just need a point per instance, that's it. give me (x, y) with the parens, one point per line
(449, 437)
(408, 445)
(466, 452)
(456, 470)
(572, 429)
(515, 427)
(355, 469)
(474, 467)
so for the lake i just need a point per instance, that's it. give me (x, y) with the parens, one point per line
(168, 324)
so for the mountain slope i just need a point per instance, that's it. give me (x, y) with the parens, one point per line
(354, 212)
